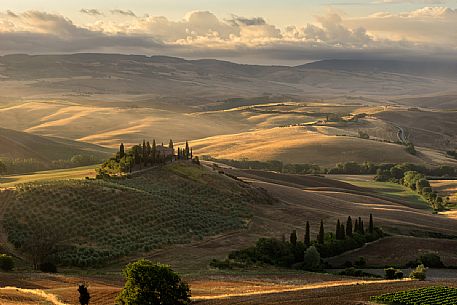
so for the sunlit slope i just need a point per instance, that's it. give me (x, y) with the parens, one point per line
(108, 126)
(298, 145)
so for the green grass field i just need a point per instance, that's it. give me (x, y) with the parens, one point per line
(58, 174)
(102, 220)
(387, 189)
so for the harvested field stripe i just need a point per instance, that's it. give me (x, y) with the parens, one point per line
(38, 292)
(297, 288)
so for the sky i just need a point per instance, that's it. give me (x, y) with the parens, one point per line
(254, 31)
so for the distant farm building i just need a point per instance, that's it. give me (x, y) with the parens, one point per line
(165, 151)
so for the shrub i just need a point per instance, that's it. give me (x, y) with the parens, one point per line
(6, 262)
(48, 267)
(361, 262)
(393, 274)
(154, 284)
(420, 273)
(312, 259)
(431, 260)
(356, 272)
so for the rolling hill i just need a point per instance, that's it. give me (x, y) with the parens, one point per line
(98, 221)
(300, 145)
(22, 145)
(142, 80)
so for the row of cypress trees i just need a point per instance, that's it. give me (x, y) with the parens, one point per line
(341, 231)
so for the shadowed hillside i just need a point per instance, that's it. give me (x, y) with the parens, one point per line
(16, 144)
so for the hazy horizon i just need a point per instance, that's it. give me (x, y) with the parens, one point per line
(267, 33)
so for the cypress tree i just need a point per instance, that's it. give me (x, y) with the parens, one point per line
(349, 226)
(154, 151)
(144, 149)
(121, 151)
(343, 233)
(321, 235)
(356, 226)
(293, 238)
(307, 235)
(338, 230)
(187, 152)
(371, 225)
(191, 153)
(361, 228)
(148, 149)
(170, 144)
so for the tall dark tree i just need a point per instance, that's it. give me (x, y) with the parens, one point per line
(349, 227)
(307, 235)
(338, 230)
(154, 151)
(121, 151)
(191, 153)
(356, 226)
(293, 238)
(170, 144)
(144, 149)
(187, 151)
(321, 235)
(343, 233)
(371, 225)
(361, 228)
(148, 149)
(84, 295)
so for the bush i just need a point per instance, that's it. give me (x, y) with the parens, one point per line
(393, 274)
(154, 284)
(356, 272)
(48, 267)
(420, 273)
(361, 262)
(431, 260)
(6, 262)
(312, 259)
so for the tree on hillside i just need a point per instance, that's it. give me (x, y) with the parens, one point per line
(170, 144)
(187, 151)
(293, 238)
(349, 226)
(338, 230)
(84, 295)
(121, 151)
(311, 259)
(154, 151)
(321, 235)
(153, 284)
(307, 239)
(361, 227)
(371, 225)
(342, 232)
(356, 226)
(41, 243)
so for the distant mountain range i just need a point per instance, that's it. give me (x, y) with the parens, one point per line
(179, 81)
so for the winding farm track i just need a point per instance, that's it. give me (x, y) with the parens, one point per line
(297, 288)
(46, 297)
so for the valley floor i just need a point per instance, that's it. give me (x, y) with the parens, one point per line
(276, 287)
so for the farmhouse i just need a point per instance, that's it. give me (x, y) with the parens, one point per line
(164, 151)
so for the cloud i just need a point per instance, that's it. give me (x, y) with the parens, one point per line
(428, 25)
(123, 12)
(425, 32)
(91, 12)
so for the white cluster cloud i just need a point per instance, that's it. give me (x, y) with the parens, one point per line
(202, 34)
